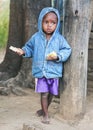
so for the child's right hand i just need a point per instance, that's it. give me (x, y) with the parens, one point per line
(19, 51)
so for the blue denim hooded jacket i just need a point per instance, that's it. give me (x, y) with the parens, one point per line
(38, 48)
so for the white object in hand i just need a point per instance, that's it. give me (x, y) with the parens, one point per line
(13, 48)
(53, 53)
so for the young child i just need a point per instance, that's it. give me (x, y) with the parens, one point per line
(48, 50)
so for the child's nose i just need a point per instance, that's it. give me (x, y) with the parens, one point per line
(50, 24)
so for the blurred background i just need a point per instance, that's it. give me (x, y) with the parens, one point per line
(4, 22)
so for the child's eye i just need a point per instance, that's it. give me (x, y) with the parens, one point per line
(45, 22)
(53, 23)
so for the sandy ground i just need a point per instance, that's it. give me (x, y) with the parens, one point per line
(18, 110)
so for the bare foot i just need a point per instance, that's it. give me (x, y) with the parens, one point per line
(39, 113)
(46, 120)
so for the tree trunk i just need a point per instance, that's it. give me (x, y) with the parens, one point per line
(78, 20)
(23, 23)
(12, 62)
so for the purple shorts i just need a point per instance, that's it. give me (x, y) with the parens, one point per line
(44, 85)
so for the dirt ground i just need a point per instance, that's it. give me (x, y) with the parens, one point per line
(18, 110)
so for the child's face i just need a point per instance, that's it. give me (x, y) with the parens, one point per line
(49, 23)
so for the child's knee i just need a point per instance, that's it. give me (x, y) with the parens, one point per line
(44, 95)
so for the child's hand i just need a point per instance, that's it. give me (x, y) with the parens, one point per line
(52, 56)
(19, 51)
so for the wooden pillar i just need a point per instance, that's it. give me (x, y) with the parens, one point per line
(78, 21)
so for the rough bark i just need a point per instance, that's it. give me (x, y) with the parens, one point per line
(78, 19)
(11, 64)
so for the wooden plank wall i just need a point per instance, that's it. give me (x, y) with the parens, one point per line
(90, 64)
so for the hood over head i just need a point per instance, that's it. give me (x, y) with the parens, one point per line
(43, 13)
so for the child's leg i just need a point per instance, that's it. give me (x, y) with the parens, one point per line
(44, 105)
(50, 97)
(46, 85)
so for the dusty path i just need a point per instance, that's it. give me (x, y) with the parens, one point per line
(18, 110)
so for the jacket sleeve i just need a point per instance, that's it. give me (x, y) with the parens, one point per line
(28, 48)
(64, 50)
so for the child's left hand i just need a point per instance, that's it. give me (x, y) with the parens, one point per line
(52, 56)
